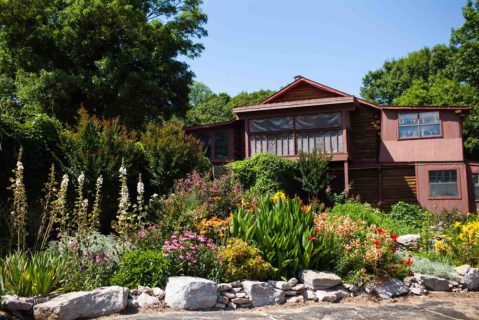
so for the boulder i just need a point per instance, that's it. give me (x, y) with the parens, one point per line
(409, 240)
(418, 290)
(332, 295)
(471, 279)
(190, 293)
(157, 292)
(296, 299)
(299, 287)
(281, 285)
(262, 293)
(14, 303)
(462, 270)
(293, 281)
(83, 304)
(432, 283)
(390, 288)
(308, 295)
(145, 300)
(317, 280)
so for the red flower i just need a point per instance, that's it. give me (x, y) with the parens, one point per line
(407, 262)
(312, 238)
(317, 229)
(379, 230)
(395, 249)
(377, 243)
(394, 237)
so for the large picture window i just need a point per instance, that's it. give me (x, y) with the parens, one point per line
(419, 125)
(443, 183)
(221, 145)
(321, 131)
(475, 181)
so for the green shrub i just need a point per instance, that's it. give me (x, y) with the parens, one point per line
(424, 265)
(142, 267)
(313, 172)
(241, 261)
(31, 275)
(280, 229)
(265, 173)
(410, 214)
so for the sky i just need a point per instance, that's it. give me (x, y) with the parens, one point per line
(263, 44)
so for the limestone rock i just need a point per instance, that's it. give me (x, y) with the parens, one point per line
(145, 300)
(281, 285)
(390, 288)
(157, 292)
(228, 294)
(296, 299)
(290, 293)
(471, 279)
(241, 301)
(308, 295)
(463, 270)
(293, 281)
(224, 287)
(14, 303)
(190, 293)
(83, 304)
(409, 240)
(299, 287)
(432, 283)
(262, 293)
(332, 295)
(317, 280)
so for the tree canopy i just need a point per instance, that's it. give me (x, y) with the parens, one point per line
(208, 107)
(114, 58)
(441, 75)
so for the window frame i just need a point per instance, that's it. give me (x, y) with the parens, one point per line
(476, 196)
(294, 131)
(458, 184)
(417, 113)
(212, 139)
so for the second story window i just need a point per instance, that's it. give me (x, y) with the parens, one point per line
(419, 125)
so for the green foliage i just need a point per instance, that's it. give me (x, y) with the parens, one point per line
(313, 172)
(208, 107)
(171, 154)
(280, 229)
(265, 173)
(242, 261)
(424, 265)
(142, 267)
(32, 275)
(114, 57)
(409, 214)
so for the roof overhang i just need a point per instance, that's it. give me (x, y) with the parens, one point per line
(212, 126)
(294, 104)
(456, 109)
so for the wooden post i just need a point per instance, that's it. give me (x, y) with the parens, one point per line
(346, 174)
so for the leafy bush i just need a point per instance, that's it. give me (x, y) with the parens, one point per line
(241, 261)
(280, 229)
(31, 275)
(313, 172)
(460, 242)
(190, 254)
(426, 266)
(142, 267)
(265, 173)
(409, 214)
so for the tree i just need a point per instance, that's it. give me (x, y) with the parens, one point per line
(313, 172)
(116, 58)
(219, 107)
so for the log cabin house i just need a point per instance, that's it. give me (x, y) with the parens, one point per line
(386, 153)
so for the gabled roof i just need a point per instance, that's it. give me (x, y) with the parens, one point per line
(454, 108)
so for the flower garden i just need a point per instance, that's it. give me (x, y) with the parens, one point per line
(241, 240)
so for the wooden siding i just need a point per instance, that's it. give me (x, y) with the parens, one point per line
(365, 184)
(398, 184)
(364, 134)
(303, 91)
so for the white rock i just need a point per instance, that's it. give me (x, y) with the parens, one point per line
(418, 290)
(236, 284)
(262, 293)
(332, 295)
(239, 301)
(390, 288)
(241, 295)
(133, 303)
(471, 279)
(299, 287)
(232, 305)
(157, 292)
(142, 289)
(409, 240)
(317, 280)
(14, 303)
(351, 287)
(308, 295)
(190, 293)
(281, 285)
(290, 293)
(224, 286)
(432, 283)
(238, 289)
(145, 300)
(296, 299)
(463, 270)
(228, 294)
(292, 281)
(83, 304)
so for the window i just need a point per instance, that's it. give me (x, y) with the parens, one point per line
(443, 183)
(221, 145)
(206, 142)
(419, 125)
(475, 181)
(276, 135)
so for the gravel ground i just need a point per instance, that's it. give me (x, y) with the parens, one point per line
(435, 306)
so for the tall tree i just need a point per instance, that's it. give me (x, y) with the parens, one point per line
(116, 58)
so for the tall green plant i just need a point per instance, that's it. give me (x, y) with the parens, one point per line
(282, 230)
(313, 172)
(20, 206)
